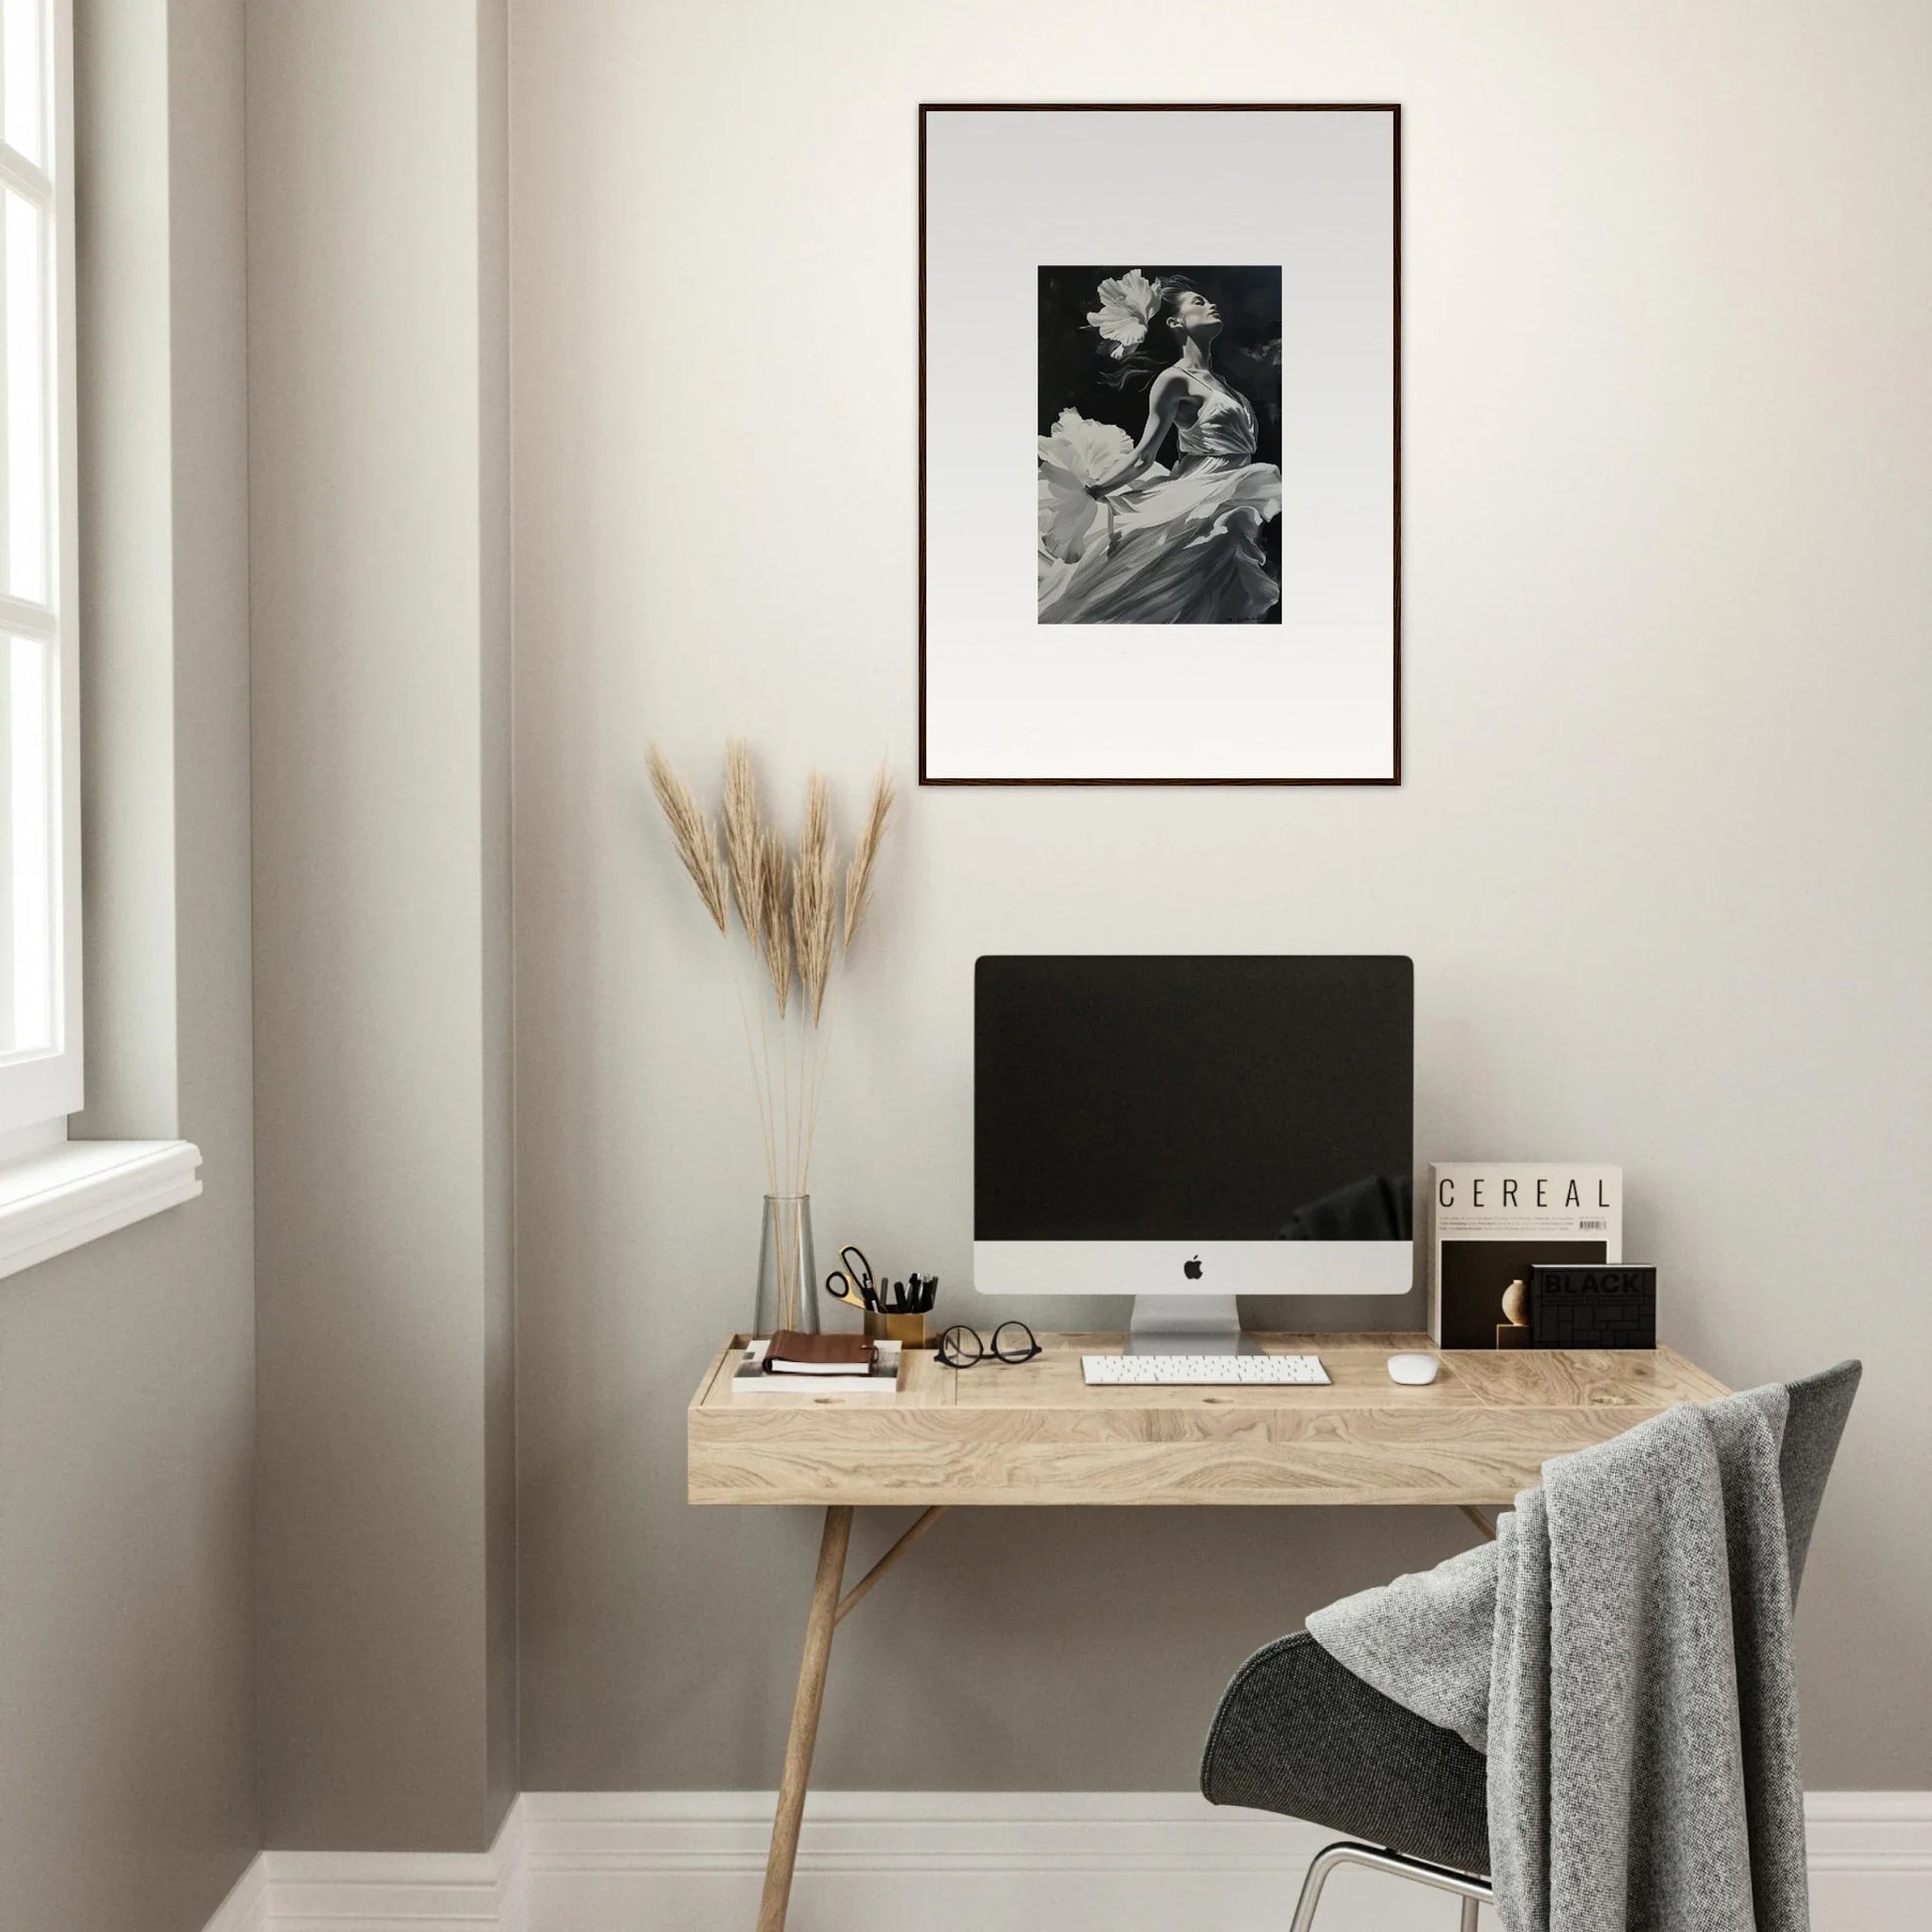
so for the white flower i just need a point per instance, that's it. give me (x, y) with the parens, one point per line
(1088, 451)
(1076, 454)
(1127, 304)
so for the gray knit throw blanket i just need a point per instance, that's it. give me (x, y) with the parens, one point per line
(1623, 1652)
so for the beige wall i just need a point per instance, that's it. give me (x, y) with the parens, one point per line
(127, 1760)
(378, 500)
(491, 67)
(1660, 855)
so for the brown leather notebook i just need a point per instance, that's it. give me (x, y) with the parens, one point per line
(793, 1354)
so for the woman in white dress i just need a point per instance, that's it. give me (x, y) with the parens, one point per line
(1124, 541)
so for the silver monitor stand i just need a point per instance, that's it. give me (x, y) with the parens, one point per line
(1186, 1325)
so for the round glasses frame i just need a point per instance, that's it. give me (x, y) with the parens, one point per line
(964, 1347)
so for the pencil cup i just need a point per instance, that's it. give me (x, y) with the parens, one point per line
(909, 1329)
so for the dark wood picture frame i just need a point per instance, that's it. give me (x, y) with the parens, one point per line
(1394, 110)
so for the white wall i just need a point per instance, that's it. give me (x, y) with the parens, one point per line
(1660, 855)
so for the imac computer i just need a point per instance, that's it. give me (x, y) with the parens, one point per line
(1186, 1130)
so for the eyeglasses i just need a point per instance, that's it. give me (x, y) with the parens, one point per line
(963, 1348)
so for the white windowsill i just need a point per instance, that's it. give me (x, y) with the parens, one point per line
(79, 1190)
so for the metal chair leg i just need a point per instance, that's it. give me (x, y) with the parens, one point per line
(1471, 1890)
(1323, 1862)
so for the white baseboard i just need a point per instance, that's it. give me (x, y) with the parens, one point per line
(385, 1892)
(956, 1861)
(245, 1910)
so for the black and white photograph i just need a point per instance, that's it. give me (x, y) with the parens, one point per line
(1192, 576)
(1160, 445)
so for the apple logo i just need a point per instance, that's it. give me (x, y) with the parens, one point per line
(1192, 1268)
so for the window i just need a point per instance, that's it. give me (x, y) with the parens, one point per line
(54, 1193)
(39, 842)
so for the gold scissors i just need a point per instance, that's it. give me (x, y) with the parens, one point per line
(852, 1280)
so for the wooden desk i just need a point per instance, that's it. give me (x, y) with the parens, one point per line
(1034, 1434)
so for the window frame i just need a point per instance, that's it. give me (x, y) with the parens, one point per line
(38, 1091)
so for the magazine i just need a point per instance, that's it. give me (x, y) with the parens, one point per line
(1489, 1221)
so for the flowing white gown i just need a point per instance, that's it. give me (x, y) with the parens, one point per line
(1179, 546)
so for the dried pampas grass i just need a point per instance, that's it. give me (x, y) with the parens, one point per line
(865, 850)
(744, 841)
(774, 916)
(814, 896)
(691, 833)
(788, 905)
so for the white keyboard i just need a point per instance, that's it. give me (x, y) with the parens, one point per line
(1202, 1371)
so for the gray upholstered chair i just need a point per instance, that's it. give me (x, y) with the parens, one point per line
(1298, 1734)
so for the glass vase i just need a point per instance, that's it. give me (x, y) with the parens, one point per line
(787, 1273)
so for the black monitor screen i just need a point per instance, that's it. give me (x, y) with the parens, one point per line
(1234, 1098)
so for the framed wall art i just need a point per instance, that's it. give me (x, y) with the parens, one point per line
(1193, 316)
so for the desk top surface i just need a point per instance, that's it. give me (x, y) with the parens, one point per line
(1033, 1433)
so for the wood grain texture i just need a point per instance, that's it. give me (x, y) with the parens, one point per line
(1034, 1434)
(802, 1740)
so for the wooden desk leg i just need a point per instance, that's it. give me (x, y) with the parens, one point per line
(803, 1736)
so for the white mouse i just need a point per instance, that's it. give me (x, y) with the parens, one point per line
(1414, 1369)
